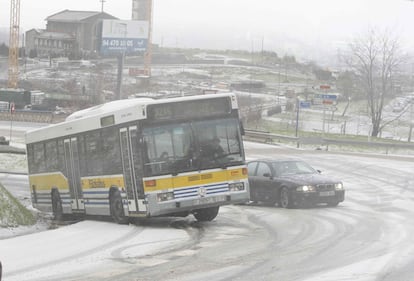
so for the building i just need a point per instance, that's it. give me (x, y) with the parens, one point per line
(68, 33)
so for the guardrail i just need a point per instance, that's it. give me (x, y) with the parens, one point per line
(271, 138)
(11, 149)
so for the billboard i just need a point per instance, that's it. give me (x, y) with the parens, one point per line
(124, 36)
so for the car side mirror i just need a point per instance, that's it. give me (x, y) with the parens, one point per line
(267, 175)
(319, 171)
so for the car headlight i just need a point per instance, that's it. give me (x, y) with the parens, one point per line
(305, 188)
(339, 186)
(165, 196)
(237, 186)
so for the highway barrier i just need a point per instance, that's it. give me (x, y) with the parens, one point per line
(267, 137)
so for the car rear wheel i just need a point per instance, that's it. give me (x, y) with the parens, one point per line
(285, 199)
(253, 196)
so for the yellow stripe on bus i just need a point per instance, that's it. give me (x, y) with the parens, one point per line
(194, 179)
(102, 181)
(47, 181)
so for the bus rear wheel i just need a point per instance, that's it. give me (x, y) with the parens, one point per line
(207, 214)
(117, 208)
(57, 206)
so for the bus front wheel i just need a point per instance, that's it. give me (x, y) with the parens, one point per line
(117, 208)
(207, 214)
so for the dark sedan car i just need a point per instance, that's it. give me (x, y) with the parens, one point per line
(292, 183)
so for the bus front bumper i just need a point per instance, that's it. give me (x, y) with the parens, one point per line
(188, 205)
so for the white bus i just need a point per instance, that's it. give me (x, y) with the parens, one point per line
(141, 158)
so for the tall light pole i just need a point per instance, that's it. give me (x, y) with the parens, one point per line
(102, 5)
(121, 63)
(143, 10)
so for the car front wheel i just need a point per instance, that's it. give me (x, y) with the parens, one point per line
(285, 198)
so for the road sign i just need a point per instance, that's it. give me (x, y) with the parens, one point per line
(304, 104)
(329, 97)
(327, 102)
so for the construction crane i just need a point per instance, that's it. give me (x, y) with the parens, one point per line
(14, 44)
(142, 10)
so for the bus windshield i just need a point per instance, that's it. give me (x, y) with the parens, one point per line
(175, 148)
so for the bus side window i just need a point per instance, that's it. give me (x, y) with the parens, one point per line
(111, 151)
(61, 157)
(30, 157)
(82, 156)
(39, 157)
(51, 155)
(93, 154)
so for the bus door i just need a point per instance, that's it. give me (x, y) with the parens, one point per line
(73, 174)
(131, 159)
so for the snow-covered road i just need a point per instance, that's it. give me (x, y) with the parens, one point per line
(79, 249)
(367, 237)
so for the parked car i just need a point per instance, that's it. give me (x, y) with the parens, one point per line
(292, 183)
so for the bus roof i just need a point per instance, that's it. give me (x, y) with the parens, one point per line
(109, 107)
(120, 111)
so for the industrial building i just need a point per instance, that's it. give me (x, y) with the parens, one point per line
(68, 33)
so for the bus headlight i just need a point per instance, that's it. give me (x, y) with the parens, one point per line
(339, 186)
(161, 197)
(237, 186)
(305, 188)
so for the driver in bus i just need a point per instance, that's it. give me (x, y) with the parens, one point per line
(213, 149)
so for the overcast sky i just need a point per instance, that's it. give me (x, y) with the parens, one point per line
(281, 25)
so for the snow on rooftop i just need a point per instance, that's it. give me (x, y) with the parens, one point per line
(106, 108)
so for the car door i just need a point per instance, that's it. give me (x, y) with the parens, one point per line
(266, 190)
(253, 181)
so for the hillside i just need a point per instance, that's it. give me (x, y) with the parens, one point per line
(12, 212)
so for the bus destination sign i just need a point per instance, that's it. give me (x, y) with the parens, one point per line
(189, 109)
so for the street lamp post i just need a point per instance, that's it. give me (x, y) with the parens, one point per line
(121, 63)
(297, 121)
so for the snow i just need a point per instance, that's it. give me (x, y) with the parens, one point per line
(366, 270)
(81, 246)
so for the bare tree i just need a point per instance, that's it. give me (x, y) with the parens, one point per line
(375, 59)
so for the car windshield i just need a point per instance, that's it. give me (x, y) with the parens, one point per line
(284, 168)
